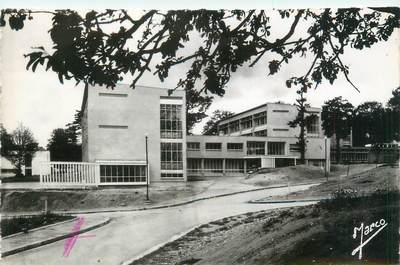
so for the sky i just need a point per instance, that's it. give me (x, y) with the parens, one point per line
(40, 102)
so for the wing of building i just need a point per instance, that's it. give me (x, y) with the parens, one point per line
(116, 124)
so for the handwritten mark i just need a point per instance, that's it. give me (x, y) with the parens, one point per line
(364, 232)
(70, 242)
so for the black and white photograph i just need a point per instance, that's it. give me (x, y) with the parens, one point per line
(197, 135)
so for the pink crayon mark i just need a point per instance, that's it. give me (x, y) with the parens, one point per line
(70, 242)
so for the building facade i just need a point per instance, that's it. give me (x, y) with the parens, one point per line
(116, 123)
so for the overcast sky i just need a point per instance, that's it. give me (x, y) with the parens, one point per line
(40, 102)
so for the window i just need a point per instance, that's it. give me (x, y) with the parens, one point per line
(113, 126)
(261, 133)
(223, 129)
(194, 165)
(234, 126)
(247, 134)
(213, 146)
(246, 122)
(171, 121)
(256, 148)
(312, 124)
(234, 146)
(116, 95)
(213, 165)
(122, 173)
(234, 165)
(280, 130)
(294, 148)
(171, 156)
(193, 146)
(276, 148)
(171, 175)
(280, 110)
(260, 118)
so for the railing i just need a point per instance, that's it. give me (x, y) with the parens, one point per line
(78, 173)
(98, 173)
(366, 155)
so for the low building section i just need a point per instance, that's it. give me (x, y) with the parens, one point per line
(233, 155)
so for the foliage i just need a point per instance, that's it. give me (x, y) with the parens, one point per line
(367, 127)
(15, 225)
(63, 146)
(6, 142)
(336, 119)
(87, 50)
(394, 101)
(301, 121)
(211, 126)
(196, 107)
(21, 146)
(74, 128)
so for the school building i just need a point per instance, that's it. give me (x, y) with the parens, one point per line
(118, 123)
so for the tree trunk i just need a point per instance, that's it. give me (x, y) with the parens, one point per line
(302, 142)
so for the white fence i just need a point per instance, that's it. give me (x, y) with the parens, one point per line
(78, 173)
(99, 173)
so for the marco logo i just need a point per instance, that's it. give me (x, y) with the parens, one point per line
(365, 231)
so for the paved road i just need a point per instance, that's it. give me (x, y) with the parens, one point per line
(132, 233)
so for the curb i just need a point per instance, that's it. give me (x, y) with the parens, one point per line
(159, 246)
(286, 201)
(181, 203)
(54, 239)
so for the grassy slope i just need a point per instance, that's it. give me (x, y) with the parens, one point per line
(286, 236)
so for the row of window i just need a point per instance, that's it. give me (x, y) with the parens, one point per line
(244, 123)
(216, 165)
(122, 173)
(253, 147)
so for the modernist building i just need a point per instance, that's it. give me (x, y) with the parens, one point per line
(116, 122)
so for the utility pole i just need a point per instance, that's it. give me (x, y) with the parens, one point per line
(147, 170)
(326, 159)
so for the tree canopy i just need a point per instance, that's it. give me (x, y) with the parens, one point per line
(211, 126)
(102, 47)
(18, 147)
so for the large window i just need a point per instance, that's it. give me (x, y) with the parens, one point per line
(261, 133)
(234, 126)
(260, 118)
(256, 148)
(171, 156)
(194, 165)
(171, 121)
(213, 146)
(213, 165)
(246, 122)
(276, 148)
(313, 124)
(234, 165)
(122, 173)
(234, 146)
(193, 146)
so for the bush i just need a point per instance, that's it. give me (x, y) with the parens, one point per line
(18, 224)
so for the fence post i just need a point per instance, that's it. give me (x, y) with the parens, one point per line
(97, 173)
